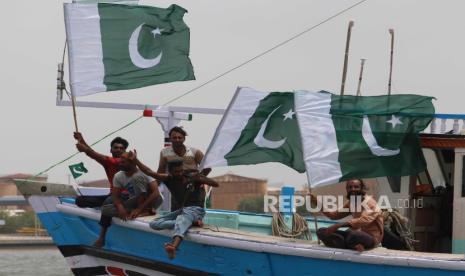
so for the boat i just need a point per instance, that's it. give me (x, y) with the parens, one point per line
(235, 243)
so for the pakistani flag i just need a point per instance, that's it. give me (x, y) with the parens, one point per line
(257, 128)
(334, 138)
(116, 47)
(77, 170)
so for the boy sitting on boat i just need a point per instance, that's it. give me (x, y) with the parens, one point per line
(365, 228)
(133, 193)
(186, 189)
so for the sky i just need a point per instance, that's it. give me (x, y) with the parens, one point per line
(35, 133)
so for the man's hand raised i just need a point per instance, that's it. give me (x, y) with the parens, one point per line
(78, 137)
(82, 147)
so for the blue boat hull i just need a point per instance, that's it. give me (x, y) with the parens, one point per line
(134, 248)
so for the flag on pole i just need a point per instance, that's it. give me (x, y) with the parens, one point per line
(77, 170)
(334, 138)
(257, 128)
(116, 47)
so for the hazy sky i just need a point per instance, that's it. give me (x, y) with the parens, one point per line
(35, 133)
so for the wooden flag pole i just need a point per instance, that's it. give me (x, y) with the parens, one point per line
(391, 31)
(73, 101)
(360, 76)
(315, 219)
(346, 57)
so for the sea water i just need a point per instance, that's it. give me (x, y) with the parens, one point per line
(32, 261)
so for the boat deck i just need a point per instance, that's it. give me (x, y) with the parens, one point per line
(221, 232)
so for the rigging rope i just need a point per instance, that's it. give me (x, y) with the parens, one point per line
(266, 52)
(74, 154)
(206, 83)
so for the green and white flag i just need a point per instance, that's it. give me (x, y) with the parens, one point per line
(257, 128)
(77, 170)
(116, 47)
(339, 137)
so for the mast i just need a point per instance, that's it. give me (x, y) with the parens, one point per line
(360, 76)
(391, 31)
(346, 56)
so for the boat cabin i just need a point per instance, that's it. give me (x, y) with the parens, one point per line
(434, 200)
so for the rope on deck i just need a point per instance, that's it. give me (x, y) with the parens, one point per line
(300, 229)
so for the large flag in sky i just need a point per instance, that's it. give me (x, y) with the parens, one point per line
(334, 138)
(257, 128)
(116, 47)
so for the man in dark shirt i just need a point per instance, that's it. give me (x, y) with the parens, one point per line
(186, 189)
(109, 163)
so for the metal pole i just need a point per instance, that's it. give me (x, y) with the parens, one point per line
(360, 76)
(346, 56)
(391, 31)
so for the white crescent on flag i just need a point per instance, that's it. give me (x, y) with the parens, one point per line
(261, 141)
(134, 54)
(370, 139)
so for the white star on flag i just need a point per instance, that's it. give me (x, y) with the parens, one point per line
(288, 115)
(394, 121)
(157, 31)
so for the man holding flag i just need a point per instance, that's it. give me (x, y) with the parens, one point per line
(110, 163)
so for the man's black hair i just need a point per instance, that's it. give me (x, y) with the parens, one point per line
(174, 164)
(178, 130)
(362, 184)
(119, 140)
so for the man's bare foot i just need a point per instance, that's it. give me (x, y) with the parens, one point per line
(198, 223)
(170, 250)
(359, 248)
(147, 212)
(99, 243)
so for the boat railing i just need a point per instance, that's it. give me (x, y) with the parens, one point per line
(447, 124)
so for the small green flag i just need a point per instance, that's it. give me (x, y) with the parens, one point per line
(77, 170)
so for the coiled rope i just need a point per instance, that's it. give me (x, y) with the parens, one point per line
(300, 229)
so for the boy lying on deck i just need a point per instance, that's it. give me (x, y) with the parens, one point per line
(186, 189)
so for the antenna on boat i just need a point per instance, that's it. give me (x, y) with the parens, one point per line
(391, 31)
(362, 63)
(346, 56)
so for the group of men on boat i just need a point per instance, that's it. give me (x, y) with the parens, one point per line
(134, 188)
(134, 192)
